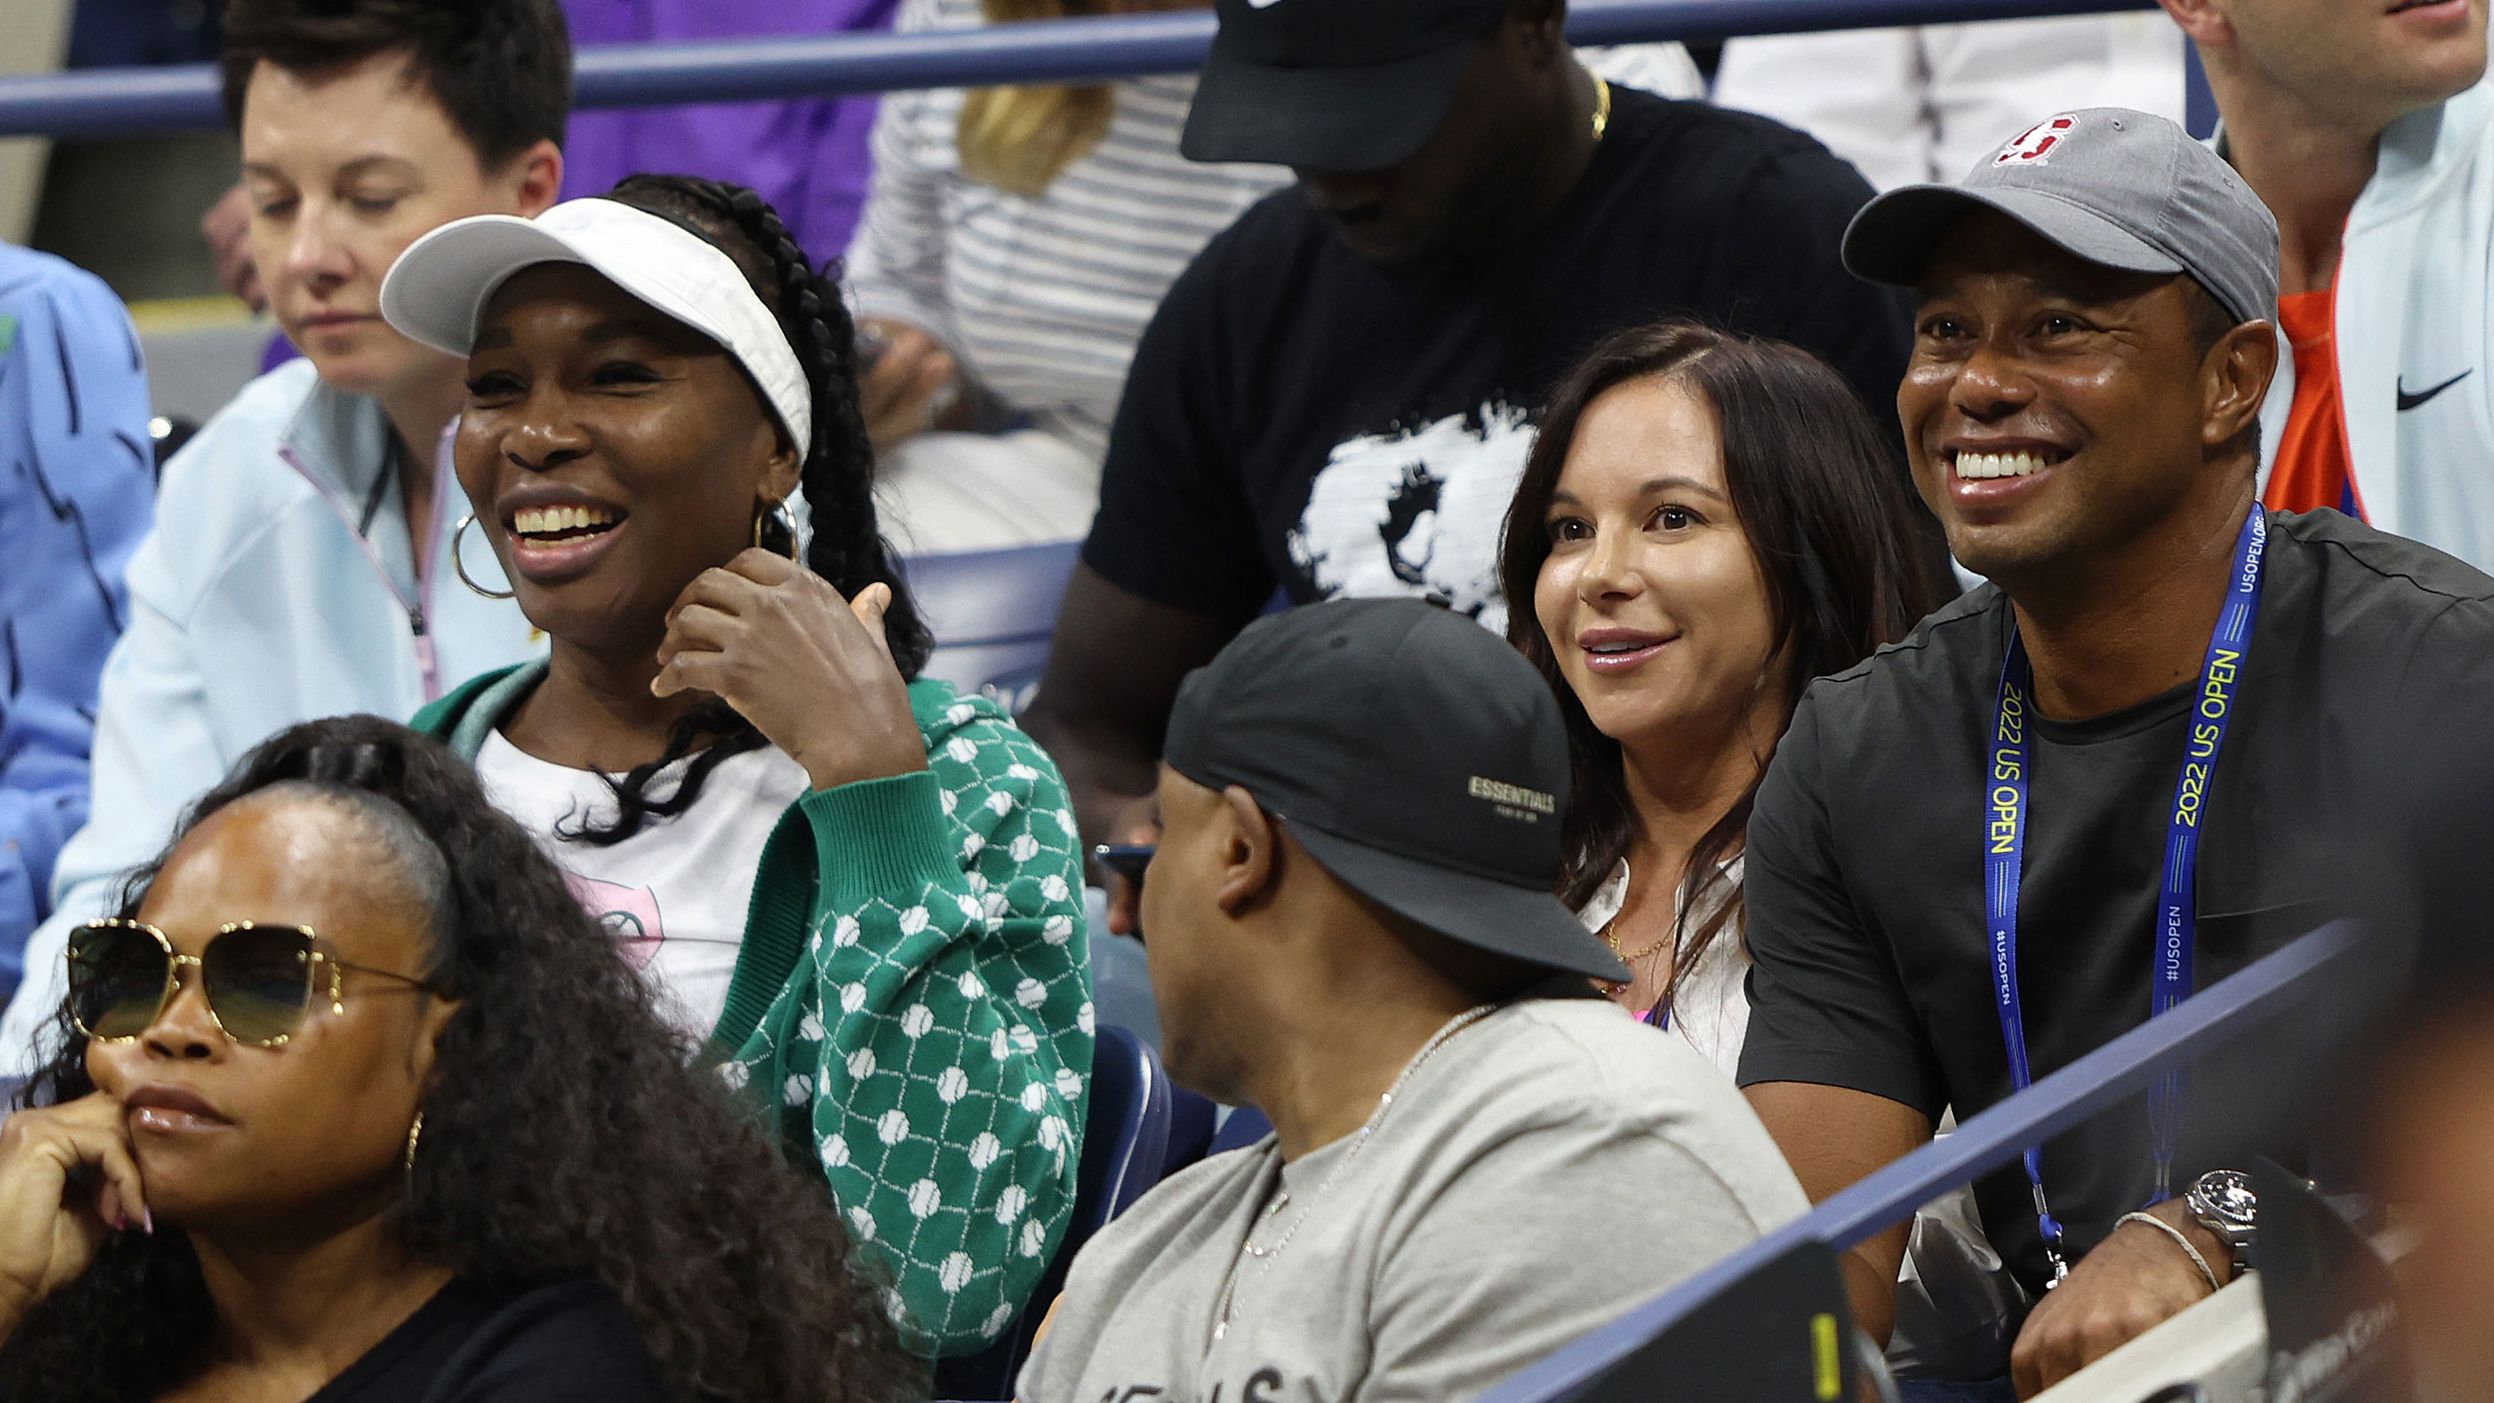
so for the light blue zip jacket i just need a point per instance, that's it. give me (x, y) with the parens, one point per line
(279, 586)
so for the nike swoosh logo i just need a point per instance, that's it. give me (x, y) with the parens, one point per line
(2410, 401)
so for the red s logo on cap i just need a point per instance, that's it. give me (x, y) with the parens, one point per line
(2036, 143)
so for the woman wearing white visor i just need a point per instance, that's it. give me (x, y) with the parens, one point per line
(860, 888)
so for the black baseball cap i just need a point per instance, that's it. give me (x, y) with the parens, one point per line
(1331, 85)
(1414, 754)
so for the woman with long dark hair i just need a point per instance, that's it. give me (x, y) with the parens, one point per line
(862, 888)
(352, 1100)
(1705, 523)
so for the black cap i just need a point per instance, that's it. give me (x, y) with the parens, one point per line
(1332, 85)
(1419, 758)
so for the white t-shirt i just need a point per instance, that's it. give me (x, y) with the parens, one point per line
(676, 893)
(1711, 1009)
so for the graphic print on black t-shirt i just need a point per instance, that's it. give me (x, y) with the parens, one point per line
(1414, 512)
(1302, 420)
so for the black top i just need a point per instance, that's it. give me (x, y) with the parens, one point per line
(570, 1343)
(1866, 857)
(1298, 417)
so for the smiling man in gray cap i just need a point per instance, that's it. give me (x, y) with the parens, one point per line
(1474, 1160)
(2110, 777)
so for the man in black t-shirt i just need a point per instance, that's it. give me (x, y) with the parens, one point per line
(1335, 399)
(1964, 844)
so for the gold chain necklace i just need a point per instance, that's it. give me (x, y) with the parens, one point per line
(1601, 107)
(1610, 937)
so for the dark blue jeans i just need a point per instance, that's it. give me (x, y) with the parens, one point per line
(1940, 1391)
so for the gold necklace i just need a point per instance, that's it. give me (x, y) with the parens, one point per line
(1610, 937)
(1601, 107)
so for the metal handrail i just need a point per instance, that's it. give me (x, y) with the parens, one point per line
(143, 101)
(2094, 1083)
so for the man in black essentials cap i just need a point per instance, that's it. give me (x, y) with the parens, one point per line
(1335, 400)
(1474, 1161)
(2172, 734)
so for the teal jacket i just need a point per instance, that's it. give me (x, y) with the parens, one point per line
(913, 1002)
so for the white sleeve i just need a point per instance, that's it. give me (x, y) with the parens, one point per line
(1666, 70)
(1991, 81)
(1861, 93)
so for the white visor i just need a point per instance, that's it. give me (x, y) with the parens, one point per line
(436, 291)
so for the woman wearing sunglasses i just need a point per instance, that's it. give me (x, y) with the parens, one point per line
(355, 1104)
(860, 887)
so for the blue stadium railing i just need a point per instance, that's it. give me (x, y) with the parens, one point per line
(140, 101)
(132, 102)
(2223, 1013)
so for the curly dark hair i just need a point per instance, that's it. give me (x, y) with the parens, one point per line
(846, 546)
(566, 1134)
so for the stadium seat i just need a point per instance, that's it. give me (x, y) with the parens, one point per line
(1125, 1147)
(992, 612)
(1245, 1127)
(1192, 1122)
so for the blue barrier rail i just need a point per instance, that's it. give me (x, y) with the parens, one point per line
(2122, 1068)
(144, 101)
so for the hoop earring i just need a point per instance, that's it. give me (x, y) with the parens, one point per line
(776, 514)
(415, 1133)
(460, 568)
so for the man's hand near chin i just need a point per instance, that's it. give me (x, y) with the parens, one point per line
(2135, 1280)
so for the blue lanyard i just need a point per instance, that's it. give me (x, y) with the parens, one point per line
(2176, 934)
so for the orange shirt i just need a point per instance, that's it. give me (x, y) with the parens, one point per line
(2311, 469)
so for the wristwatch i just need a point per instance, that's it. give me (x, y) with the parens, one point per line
(2222, 1201)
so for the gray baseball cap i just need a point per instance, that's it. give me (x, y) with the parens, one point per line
(2118, 188)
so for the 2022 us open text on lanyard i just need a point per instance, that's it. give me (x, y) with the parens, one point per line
(2175, 936)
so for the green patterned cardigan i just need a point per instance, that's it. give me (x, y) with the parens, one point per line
(913, 1001)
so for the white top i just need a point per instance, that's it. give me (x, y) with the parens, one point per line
(1711, 1009)
(1044, 299)
(1909, 105)
(677, 892)
(1041, 299)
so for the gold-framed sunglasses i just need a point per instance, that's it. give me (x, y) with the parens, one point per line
(259, 980)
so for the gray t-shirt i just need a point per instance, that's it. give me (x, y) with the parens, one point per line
(1547, 1169)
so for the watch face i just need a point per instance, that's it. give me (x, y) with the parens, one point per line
(2227, 1194)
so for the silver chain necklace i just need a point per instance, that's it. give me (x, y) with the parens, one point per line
(1368, 1128)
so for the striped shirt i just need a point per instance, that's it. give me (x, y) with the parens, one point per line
(1043, 300)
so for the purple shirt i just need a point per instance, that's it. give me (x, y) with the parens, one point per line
(807, 157)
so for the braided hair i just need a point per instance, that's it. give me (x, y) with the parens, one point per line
(837, 477)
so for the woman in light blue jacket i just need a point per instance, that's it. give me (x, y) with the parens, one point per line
(303, 539)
